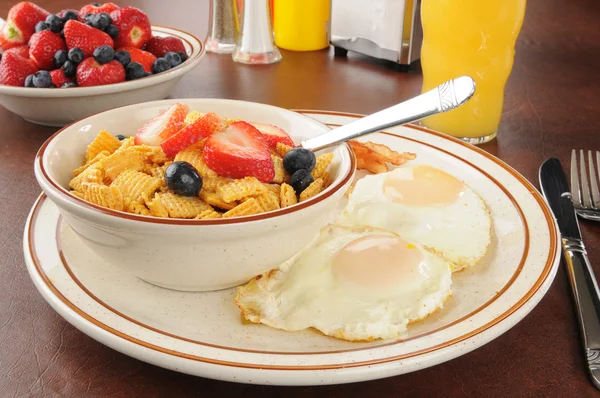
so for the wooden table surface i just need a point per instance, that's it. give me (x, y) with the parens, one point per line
(552, 105)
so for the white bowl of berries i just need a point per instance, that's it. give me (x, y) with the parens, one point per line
(58, 68)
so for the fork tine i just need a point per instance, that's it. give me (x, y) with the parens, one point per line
(593, 181)
(586, 199)
(575, 192)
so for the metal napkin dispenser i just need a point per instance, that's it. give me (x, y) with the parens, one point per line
(385, 29)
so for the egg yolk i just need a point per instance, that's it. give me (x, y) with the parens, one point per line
(378, 260)
(425, 186)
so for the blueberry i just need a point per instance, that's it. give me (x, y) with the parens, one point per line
(96, 4)
(299, 158)
(173, 59)
(101, 21)
(160, 65)
(123, 57)
(42, 79)
(76, 55)
(134, 71)
(62, 34)
(120, 137)
(54, 23)
(52, 85)
(183, 179)
(68, 15)
(29, 81)
(69, 85)
(88, 17)
(60, 57)
(40, 26)
(300, 180)
(104, 54)
(89, 23)
(182, 55)
(112, 31)
(69, 68)
(146, 74)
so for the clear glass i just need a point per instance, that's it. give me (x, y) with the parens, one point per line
(255, 44)
(474, 38)
(223, 27)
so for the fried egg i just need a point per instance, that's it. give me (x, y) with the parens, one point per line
(425, 205)
(355, 284)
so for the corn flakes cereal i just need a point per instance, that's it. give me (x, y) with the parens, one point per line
(193, 155)
(326, 179)
(215, 200)
(239, 189)
(156, 207)
(287, 196)
(136, 208)
(282, 149)
(96, 159)
(115, 164)
(321, 165)
(157, 171)
(126, 143)
(136, 185)
(104, 141)
(281, 174)
(208, 214)
(313, 189)
(102, 195)
(274, 188)
(268, 201)
(247, 208)
(92, 174)
(211, 184)
(77, 193)
(152, 154)
(183, 206)
(192, 117)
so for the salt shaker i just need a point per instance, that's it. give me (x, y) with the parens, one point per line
(255, 44)
(223, 27)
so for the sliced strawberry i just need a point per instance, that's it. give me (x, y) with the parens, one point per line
(159, 46)
(192, 133)
(20, 24)
(21, 51)
(163, 126)
(97, 9)
(274, 134)
(42, 47)
(238, 152)
(134, 27)
(79, 35)
(59, 78)
(142, 57)
(14, 69)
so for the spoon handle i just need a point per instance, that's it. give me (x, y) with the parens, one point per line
(445, 97)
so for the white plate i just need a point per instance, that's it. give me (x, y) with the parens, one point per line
(203, 334)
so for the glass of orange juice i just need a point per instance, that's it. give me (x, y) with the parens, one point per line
(475, 38)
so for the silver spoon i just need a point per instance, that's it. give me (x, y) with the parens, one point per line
(445, 97)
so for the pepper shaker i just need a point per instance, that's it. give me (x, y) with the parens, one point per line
(224, 26)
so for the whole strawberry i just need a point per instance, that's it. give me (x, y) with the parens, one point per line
(97, 9)
(15, 69)
(79, 35)
(159, 46)
(20, 24)
(134, 27)
(42, 47)
(59, 79)
(142, 57)
(22, 51)
(91, 73)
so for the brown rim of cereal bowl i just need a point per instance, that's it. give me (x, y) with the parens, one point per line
(333, 188)
(194, 57)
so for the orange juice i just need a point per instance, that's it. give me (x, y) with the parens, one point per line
(475, 38)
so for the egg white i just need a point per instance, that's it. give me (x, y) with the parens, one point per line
(460, 232)
(305, 292)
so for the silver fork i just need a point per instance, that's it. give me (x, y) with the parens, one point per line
(586, 197)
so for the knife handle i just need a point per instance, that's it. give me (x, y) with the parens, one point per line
(587, 301)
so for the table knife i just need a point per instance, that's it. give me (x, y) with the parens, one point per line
(583, 283)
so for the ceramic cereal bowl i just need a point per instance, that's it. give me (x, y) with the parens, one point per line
(58, 107)
(189, 255)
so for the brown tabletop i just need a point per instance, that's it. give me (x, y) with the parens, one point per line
(552, 105)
